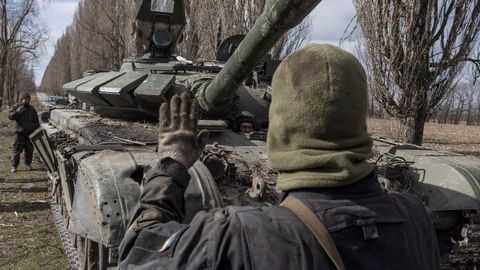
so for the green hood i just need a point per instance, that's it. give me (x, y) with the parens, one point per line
(318, 133)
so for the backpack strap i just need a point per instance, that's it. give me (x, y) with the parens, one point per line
(316, 227)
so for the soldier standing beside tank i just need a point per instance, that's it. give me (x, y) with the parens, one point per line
(26, 121)
(319, 144)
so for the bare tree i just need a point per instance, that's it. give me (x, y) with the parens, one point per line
(58, 69)
(470, 100)
(107, 21)
(443, 111)
(20, 34)
(477, 116)
(293, 40)
(460, 100)
(475, 66)
(415, 52)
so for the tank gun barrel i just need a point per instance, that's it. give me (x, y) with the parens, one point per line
(277, 18)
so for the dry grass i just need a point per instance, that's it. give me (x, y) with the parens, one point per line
(455, 138)
(28, 238)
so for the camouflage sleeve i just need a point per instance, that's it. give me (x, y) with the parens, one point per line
(157, 240)
(162, 198)
(161, 205)
(213, 240)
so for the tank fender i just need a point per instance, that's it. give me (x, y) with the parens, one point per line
(105, 197)
(106, 194)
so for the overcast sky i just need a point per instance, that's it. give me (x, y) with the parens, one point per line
(330, 19)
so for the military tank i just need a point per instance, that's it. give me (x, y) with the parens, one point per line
(96, 155)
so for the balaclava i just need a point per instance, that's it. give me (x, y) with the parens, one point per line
(317, 130)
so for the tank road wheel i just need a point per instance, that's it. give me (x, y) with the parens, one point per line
(92, 255)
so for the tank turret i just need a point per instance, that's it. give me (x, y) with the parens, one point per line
(156, 73)
(158, 27)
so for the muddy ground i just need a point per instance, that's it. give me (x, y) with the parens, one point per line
(28, 238)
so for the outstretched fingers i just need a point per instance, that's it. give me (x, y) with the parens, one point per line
(178, 138)
(185, 111)
(194, 115)
(175, 112)
(164, 117)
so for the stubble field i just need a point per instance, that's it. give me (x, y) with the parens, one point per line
(454, 138)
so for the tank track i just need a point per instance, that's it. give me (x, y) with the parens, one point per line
(67, 244)
(466, 253)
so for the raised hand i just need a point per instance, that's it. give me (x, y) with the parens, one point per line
(20, 109)
(178, 137)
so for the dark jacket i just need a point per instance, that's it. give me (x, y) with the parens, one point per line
(372, 230)
(25, 117)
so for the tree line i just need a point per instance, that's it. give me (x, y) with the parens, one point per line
(461, 105)
(20, 38)
(101, 36)
(98, 38)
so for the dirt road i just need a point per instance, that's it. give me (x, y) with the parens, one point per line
(41, 96)
(28, 238)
